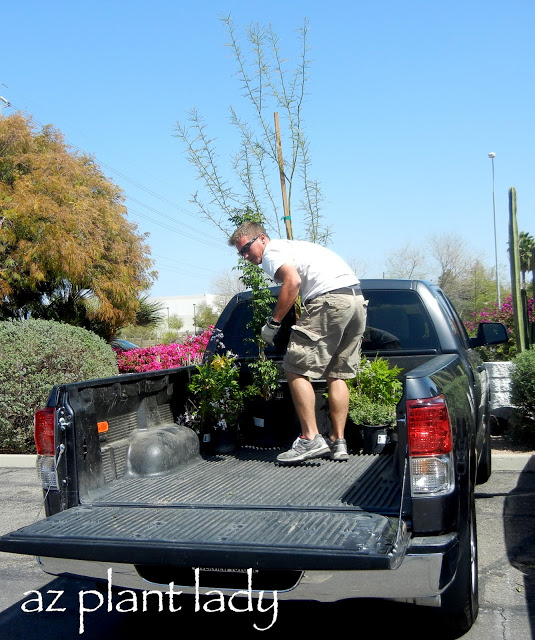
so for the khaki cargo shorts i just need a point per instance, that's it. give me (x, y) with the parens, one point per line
(326, 340)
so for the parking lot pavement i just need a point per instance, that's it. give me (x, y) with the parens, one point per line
(505, 512)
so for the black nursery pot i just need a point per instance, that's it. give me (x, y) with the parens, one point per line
(374, 438)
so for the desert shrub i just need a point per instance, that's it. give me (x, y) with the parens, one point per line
(522, 426)
(35, 355)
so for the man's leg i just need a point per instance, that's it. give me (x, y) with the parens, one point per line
(338, 406)
(310, 444)
(304, 400)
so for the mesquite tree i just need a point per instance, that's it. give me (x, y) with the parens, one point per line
(252, 177)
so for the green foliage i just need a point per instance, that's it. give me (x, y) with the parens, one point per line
(364, 411)
(67, 250)
(526, 246)
(523, 397)
(378, 381)
(265, 372)
(523, 382)
(35, 355)
(374, 393)
(218, 397)
(149, 313)
(175, 322)
(266, 377)
(253, 177)
(205, 316)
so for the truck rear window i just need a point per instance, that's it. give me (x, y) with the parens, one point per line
(397, 320)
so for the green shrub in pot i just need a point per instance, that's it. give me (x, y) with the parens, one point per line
(374, 393)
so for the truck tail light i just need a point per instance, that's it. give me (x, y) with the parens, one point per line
(44, 426)
(429, 427)
(430, 446)
(44, 422)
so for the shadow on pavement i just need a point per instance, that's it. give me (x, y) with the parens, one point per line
(519, 532)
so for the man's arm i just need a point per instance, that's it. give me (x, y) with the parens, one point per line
(291, 281)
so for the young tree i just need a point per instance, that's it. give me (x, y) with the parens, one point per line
(447, 260)
(407, 262)
(67, 251)
(205, 316)
(254, 179)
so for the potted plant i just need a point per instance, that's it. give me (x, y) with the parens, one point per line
(265, 373)
(218, 399)
(373, 397)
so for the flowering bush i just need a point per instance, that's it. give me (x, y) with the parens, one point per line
(165, 356)
(504, 314)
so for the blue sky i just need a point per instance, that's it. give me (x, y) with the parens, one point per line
(406, 100)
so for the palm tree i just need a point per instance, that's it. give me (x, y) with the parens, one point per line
(526, 246)
(149, 313)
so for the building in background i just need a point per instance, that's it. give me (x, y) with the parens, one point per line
(185, 308)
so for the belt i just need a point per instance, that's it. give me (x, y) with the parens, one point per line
(350, 291)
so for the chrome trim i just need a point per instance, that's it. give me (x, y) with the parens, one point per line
(417, 580)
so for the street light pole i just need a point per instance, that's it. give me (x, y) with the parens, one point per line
(492, 155)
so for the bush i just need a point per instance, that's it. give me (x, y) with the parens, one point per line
(523, 397)
(35, 355)
(374, 393)
(165, 356)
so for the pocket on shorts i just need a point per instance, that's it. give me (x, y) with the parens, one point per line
(302, 351)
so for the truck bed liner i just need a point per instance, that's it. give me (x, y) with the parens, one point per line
(242, 510)
(230, 538)
(251, 477)
(235, 511)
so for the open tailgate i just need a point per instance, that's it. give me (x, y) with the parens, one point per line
(216, 537)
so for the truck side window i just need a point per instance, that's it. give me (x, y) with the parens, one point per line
(456, 323)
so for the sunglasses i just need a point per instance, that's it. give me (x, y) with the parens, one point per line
(246, 247)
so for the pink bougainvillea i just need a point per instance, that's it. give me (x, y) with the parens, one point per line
(165, 356)
(504, 314)
(495, 313)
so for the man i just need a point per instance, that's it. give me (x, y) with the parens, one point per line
(325, 342)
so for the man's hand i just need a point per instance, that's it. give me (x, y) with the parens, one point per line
(270, 330)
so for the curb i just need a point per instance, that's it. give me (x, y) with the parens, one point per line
(500, 461)
(17, 461)
(513, 462)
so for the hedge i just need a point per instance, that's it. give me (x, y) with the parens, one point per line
(36, 355)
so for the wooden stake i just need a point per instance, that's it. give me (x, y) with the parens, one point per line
(287, 218)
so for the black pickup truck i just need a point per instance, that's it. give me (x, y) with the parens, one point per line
(130, 493)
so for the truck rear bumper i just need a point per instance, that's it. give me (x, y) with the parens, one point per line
(426, 570)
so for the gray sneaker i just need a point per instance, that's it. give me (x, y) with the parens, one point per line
(339, 450)
(303, 449)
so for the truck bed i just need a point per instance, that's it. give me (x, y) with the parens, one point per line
(251, 478)
(239, 510)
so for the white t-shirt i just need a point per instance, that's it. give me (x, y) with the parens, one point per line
(321, 270)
